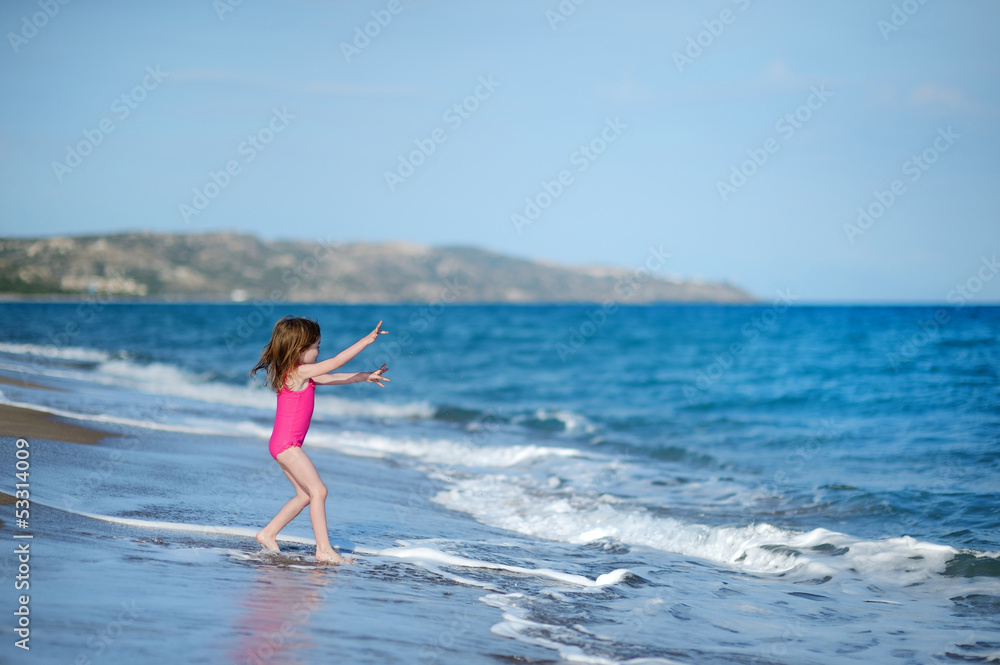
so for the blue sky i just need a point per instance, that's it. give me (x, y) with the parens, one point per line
(741, 136)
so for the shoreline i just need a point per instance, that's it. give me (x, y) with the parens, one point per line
(22, 423)
(24, 383)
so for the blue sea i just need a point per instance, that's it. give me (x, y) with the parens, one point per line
(537, 484)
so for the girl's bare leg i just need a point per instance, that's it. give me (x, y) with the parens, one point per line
(300, 468)
(267, 536)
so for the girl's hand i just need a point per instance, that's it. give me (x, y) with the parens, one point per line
(376, 376)
(373, 335)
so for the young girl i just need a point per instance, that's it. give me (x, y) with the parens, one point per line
(292, 371)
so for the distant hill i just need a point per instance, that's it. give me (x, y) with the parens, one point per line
(231, 266)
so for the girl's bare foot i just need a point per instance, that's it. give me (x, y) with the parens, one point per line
(329, 556)
(267, 542)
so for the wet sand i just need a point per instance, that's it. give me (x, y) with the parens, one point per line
(36, 425)
(21, 423)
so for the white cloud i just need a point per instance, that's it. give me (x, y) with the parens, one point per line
(929, 93)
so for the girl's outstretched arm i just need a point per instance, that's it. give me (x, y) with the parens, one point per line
(342, 358)
(356, 377)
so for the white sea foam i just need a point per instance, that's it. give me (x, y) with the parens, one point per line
(54, 373)
(517, 625)
(572, 423)
(529, 507)
(157, 525)
(418, 555)
(435, 451)
(163, 379)
(433, 556)
(53, 351)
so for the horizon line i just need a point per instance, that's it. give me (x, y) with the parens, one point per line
(124, 299)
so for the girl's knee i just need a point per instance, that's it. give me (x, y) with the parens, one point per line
(319, 492)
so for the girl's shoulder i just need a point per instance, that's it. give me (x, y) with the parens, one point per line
(294, 382)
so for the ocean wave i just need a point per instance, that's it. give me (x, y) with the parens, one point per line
(164, 379)
(74, 353)
(532, 508)
(969, 563)
(427, 555)
(555, 420)
(443, 452)
(457, 414)
(522, 620)
(665, 452)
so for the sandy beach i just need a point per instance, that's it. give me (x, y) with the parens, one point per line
(35, 425)
(30, 424)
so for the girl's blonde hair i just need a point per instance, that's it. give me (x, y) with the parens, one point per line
(291, 336)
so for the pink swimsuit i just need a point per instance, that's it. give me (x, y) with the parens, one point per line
(291, 421)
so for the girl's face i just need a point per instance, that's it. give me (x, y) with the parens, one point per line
(308, 357)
